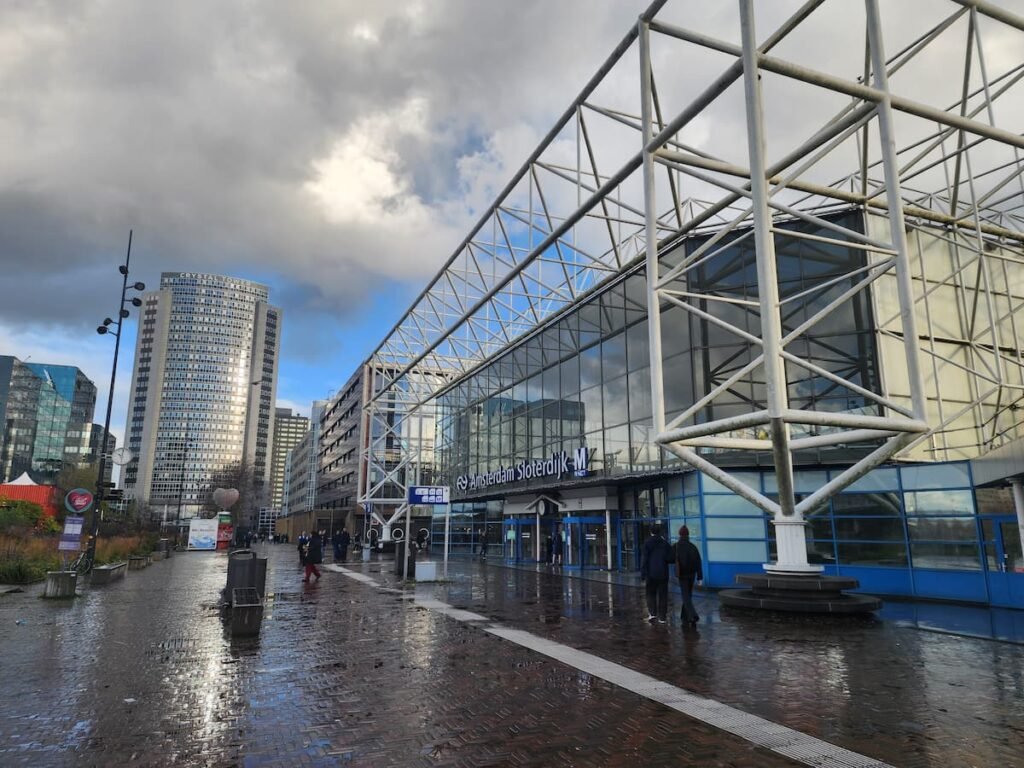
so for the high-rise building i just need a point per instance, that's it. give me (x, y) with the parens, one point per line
(200, 411)
(46, 413)
(300, 476)
(288, 431)
(98, 445)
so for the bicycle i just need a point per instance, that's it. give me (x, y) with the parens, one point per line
(82, 563)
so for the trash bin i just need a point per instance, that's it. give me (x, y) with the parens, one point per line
(246, 612)
(400, 552)
(246, 570)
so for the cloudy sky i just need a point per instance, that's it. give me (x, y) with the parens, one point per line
(336, 150)
(329, 149)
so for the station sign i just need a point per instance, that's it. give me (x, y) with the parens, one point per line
(428, 494)
(557, 465)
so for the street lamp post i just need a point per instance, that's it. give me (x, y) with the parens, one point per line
(122, 313)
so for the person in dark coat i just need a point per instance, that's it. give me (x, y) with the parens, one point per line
(344, 542)
(303, 540)
(557, 548)
(689, 569)
(336, 542)
(314, 556)
(654, 571)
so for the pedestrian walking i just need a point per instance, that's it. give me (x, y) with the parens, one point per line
(557, 547)
(336, 543)
(303, 540)
(483, 543)
(345, 541)
(654, 571)
(314, 556)
(689, 569)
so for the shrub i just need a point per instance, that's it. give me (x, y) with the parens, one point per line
(17, 514)
(25, 558)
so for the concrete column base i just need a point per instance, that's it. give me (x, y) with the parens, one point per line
(791, 545)
(60, 583)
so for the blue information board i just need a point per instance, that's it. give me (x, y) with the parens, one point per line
(428, 494)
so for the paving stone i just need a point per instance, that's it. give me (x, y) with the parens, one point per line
(142, 673)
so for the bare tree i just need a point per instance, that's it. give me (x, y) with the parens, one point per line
(238, 475)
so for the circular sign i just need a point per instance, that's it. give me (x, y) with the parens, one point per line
(121, 456)
(78, 501)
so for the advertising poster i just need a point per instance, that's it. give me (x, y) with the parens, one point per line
(224, 531)
(202, 534)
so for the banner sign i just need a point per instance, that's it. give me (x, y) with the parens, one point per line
(78, 501)
(71, 538)
(428, 494)
(556, 465)
(202, 534)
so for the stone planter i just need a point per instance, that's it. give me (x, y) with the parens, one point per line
(60, 583)
(104, 574)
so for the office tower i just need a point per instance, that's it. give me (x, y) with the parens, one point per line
(200, 411)
(45, 412)
(300, 476)
(98, 445)
(288, 431)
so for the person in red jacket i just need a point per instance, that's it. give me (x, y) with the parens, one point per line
(314, 556)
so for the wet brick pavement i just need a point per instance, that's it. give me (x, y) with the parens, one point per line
(142, 673)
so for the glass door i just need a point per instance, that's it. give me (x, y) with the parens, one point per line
(1004, 561)
(585, 542)
(629, 556)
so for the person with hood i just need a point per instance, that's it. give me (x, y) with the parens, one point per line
(654, 571)
(314, 556)
(688, 569)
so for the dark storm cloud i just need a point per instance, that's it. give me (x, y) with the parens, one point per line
(201, 126)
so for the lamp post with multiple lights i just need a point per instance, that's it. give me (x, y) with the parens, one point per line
(114, 327)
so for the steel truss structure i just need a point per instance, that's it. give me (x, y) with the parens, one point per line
(626, 175)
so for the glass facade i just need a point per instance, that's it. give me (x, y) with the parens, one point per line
(47, 413)
(200, 409)
(584, 380)
(971, 307)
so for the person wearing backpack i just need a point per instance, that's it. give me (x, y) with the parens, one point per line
(688, 570)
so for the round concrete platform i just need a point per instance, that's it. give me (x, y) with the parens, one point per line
(803, 594)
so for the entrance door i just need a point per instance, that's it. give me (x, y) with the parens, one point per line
(520, 539)
(1004, 561)
(633, 532)
(586, 544)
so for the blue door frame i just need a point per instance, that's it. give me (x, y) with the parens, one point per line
(518, 538)
(633, 532)
(584, 547)
(1004, 565)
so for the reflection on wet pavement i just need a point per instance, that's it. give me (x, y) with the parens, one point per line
(142, 673)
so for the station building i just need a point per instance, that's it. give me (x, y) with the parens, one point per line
(553, 438)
